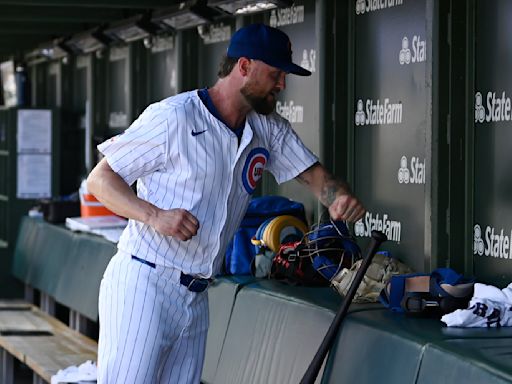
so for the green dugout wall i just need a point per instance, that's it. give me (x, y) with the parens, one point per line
(394, 105)
(492, 134)
(300, 102)
(393, 124)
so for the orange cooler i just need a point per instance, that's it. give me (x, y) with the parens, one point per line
(90, 206)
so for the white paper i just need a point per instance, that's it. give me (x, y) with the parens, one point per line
(7, 72)
(34, 131)
(34, 176)
(95, 222)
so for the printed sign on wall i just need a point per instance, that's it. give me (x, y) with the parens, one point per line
(214, 40)
(493, 134)
(391, 121)
(299, 102)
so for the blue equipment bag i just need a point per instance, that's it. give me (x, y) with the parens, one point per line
(241, 252)
(441, 292)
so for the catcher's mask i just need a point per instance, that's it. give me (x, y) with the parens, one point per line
(331, 248)
(319, 256)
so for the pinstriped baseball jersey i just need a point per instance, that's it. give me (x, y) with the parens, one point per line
(183, 157)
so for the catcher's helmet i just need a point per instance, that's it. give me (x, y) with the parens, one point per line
(318, 257)
(331, 248)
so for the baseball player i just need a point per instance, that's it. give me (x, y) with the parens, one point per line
(196, 157)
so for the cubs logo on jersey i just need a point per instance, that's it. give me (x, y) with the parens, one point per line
(253, 168)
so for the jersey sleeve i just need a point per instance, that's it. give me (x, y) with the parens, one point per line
(142, 149)
(289, 157)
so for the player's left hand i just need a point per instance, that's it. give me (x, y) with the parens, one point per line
(346, 207)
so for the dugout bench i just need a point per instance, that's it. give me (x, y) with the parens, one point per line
(40, 341)
(63, 267)
(261, 331)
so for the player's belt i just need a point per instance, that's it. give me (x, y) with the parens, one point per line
(193, 283)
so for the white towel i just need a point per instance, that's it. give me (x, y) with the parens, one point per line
(85, 373)
(489, 307)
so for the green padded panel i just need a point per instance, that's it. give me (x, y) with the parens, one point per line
(222, 296)
(469, 361)
(392, 344)
(367, 354)
(65, 265)
(22, 251)
(324, 297)
(81, 271)
(221, 300)
(41, 250)
(271, 338)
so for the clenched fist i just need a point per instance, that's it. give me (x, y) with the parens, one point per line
(346, 207)
(177, 222)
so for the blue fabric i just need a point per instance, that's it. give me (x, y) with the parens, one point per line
(149, 263)
(325, 266)
(328, 230)
(396, 291)
(241, 252)
(437, 277)
(445, 276)
(270, 45)
(208, 103)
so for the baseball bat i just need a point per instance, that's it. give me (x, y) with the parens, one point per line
(314, 367)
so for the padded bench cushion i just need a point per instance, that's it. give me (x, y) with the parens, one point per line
(323, 297)
(468, 361)
(271, 337)
(381, 346)
(367, 352)
(65, 265)
(221, 300)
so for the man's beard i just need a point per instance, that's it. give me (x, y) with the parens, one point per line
(259, 104)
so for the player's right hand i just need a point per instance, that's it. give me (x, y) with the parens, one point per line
(177, 222)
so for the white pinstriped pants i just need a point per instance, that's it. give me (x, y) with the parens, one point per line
(152, 328)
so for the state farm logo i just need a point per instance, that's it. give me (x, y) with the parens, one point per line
(214, 33)
(291, 112)
(413, 175)
(479, 108)
(391, 228)
(309, 60)
(286, 16)
(363, 6)
(478, 243)
(418, 53)
(360, 116)
(491, 242)
(498, 107)
(378, 112)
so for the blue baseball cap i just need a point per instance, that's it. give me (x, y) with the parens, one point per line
(270, 45)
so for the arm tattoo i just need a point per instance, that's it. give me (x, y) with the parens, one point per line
(330, 188)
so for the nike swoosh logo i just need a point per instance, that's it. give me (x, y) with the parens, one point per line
(195, 133)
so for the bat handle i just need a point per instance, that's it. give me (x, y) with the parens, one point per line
(314, 368)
